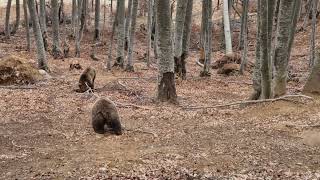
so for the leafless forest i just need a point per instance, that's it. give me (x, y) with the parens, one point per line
(203, 89)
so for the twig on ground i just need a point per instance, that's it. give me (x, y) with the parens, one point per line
(18, 87)
(21, 147)
(302, 126)
(250, 102)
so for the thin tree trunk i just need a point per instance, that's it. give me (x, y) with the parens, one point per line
(114, 24)
(227, 31)
(313, 33)
(244, 22)
(7, 21)
(42, 60)
(132, 31)
(73, 20)
(56, 51)
(281, 52)
(256, 78)
(42, 16)
(186, 36)
(202, 35)
(156, 33)
(16, 25)
(150, 14)
(96, 38)
(178, 36)
(208, 39)
(120, 34)
(128, 21)
(244, 36)
(267, 11)
(166, 81)
(26, 19)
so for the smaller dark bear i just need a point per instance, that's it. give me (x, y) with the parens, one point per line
(87, 79)
(104, 112)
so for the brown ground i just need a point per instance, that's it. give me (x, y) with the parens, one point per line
(45, 133)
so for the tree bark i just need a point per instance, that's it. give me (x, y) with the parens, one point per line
(150, 14)
(56, 51)
(26, 19)
(132, 31)
(227, 31)
(166, 83)
(42, 16)
(128, 21)
(256, 79)
(96, 37)
(313, 33)
(207, 39)
(186, 36)
(114, 24)
(267, 11)
(120, 34)
(179, 26)
(16, 25)
(7, 21)
(281, 50)
(41, 54)
(73, 18)
(244, 36)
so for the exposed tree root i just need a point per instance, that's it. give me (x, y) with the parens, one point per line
(250, 102)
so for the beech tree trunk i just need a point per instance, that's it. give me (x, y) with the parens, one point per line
(128, 21)
(244, 36)
(150, 14)
(166, 81)
(73, 18)
(17, 23)
(7, 21)
(226, 25)
(26, 19)
(186, 36)
(281, 50)
(56, 51)
(114, 24)
(120, 34)
(41, 54)
(96, 38)
(313, 32)
(178, 36)
(256, 78)
(267, 11)
(207, 39)
(132, 31)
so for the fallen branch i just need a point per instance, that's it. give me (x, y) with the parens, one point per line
(18, 87)
(120, 105)
(141, 131)
(249, 102)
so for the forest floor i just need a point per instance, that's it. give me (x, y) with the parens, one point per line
(46, 133)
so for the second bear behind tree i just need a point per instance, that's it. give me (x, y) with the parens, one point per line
(87, 79)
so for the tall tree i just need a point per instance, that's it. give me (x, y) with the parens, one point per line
(313, 32)
(166, 81)
(26, 19)
(207, 38)
(128, 21)
(41, 54)
(186, 35)
(266, 17)
(256, 78)
(132, 31)
(73, 17)
(281, 51)
(96, 38)
(226, 25)
(56, 51)
(120, 34)
(114, 24)
(179, 25)
(150, 14)
(244, 35)
(7, 21)
(17, 23)
(42, 16)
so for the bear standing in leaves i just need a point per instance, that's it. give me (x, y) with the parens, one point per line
(104, 112)
(86, 80)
